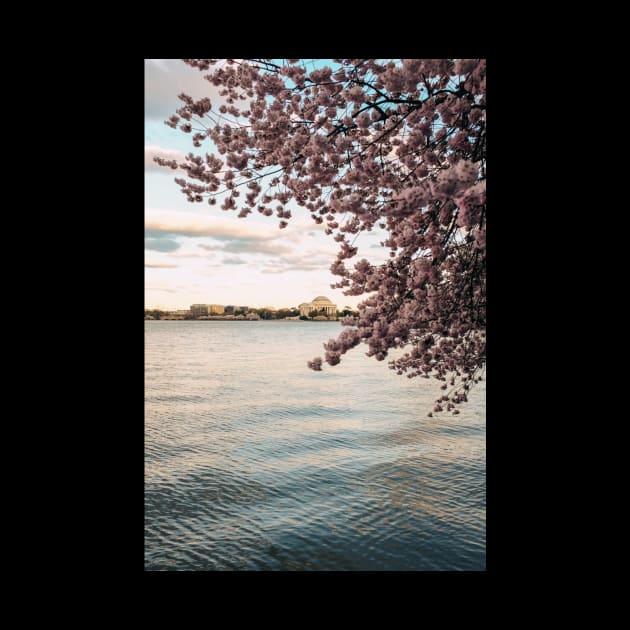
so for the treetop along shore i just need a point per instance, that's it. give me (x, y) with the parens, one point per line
(362, 145)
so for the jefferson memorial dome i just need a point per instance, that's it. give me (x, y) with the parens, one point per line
(320, 302)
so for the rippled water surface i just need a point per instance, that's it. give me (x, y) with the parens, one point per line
(253, 461)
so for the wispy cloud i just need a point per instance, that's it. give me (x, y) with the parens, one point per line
(196, 225)
(309, 260)
(239, 246)
(164, 79)
(234, 261)
(161, 64)
(242, 247)
(160, 244)
(286, 268)
(190, 255)
(152, 150)
(159, 265)
(165, 289)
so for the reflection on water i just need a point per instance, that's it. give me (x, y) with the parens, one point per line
(252, 461)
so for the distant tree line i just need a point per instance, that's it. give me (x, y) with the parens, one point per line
(264, 313)
(283, 313)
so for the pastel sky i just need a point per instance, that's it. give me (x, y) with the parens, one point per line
(196, 253)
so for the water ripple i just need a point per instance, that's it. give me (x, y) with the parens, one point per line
(253, 462)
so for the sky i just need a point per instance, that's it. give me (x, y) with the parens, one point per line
(197, 253)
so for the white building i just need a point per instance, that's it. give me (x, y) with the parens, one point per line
(319, 303)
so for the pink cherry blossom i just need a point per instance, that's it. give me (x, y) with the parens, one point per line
(398, 145)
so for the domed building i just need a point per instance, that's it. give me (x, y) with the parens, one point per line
(319, 303)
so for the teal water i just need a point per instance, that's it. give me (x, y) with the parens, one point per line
(255, 462)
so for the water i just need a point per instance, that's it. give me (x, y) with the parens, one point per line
(255, 462)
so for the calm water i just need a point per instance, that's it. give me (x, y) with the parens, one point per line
(253, 461)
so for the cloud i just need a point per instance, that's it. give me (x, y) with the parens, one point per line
(152, 150)
(161, 64)
(166, 289)
(160, 244)
(237, 240)
(196, 225)
(158, 265)
(164, 79)
(285, 268)
(239, 246)
(242, 247)
(234, 261)
(310, 260)
(190, 255)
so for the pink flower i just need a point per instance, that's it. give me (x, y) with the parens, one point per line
(391, 147)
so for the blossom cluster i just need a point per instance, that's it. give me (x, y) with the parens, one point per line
(360, 144)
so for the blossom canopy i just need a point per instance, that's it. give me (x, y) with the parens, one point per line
(362, 145)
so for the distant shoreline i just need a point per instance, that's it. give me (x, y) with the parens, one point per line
(222, 319)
